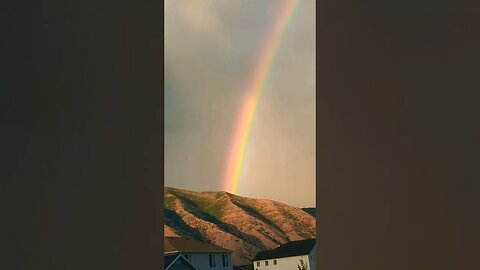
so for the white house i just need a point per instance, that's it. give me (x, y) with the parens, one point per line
(201, 255)
(288, 256)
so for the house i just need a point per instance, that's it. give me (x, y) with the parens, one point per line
(175, 261)
(288, 256)
(201, 255)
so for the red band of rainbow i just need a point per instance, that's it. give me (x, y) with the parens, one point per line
(253, 92)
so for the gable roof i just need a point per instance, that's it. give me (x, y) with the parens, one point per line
(170, 259)
(294, 248)
(189, 245)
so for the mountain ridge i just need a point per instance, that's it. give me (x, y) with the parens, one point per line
(241, 224)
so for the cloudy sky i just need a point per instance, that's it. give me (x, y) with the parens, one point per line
(211, 48)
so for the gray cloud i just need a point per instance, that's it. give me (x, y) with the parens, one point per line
(210, 49)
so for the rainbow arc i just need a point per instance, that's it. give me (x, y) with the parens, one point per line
(252, 95)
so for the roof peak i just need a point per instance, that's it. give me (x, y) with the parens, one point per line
(289, 249)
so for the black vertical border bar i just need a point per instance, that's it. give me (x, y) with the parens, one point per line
(397, 134)
(81, 134)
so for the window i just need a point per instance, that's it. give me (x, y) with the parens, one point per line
(274, 262)
(225, 260)
(188, 257)
(212, 261)
(258, 264)
(266, 263)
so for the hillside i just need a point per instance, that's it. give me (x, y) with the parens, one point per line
(243, 225)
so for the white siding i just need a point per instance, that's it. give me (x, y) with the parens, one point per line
(201, 261)
(288, 263)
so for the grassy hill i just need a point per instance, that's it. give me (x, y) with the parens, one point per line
(243, 225)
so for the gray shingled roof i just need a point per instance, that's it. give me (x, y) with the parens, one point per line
(170, 258)
(189, 245)
(294, 248)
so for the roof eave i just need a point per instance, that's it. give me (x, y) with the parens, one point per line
(269, 258)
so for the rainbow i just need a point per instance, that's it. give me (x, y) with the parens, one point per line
(253, 93)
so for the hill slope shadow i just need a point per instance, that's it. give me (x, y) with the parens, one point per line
(194, 209)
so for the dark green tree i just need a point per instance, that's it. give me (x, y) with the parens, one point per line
(302, 266)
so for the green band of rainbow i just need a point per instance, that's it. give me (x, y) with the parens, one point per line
(253, 92)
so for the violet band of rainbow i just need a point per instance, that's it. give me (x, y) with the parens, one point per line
(250, 102)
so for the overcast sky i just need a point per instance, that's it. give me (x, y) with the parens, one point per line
(211, 47)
